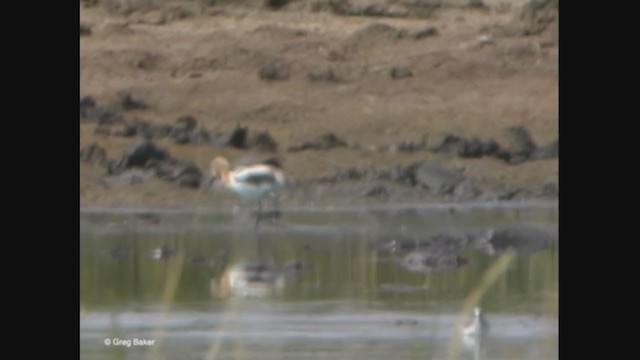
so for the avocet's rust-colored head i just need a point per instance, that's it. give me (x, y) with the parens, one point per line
(219, 169)
(219, 166)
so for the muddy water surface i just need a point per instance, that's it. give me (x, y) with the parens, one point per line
(345, 283)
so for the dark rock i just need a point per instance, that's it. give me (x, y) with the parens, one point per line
(189, 180)
(85, 103)
(202, 137)
(107, 116)
(537, 15)
(151, 131)
(450, 144)
(327, 75)
(323, 142)
(146, 130)
(472, 148)
(476, 148)
(94, 154)
(85, 29)
(275, 4)
(511, 158)
(521, 140)
(518, 145)
(149, 159)
(423, 8)
(140, 155)
(372, 10)
(185, 173)
(129, 177)
(181, 137)
(91, 112)
(236, 138)
(550, 191)
(522, 239)
(510, 194)
(262, 141)
(436, 178)
(186, 123)
(183, 131)
(425, 32)
(427, 3)
(344, 8)
(477, 4)
(128, 130)
(275, 71)
(400, 72)
(375, 191)
(128, 102)
(466, 191)
(549, 151)
(409, 146)
(399, 173)
(353, 173)
(347, 8)
(89, 3)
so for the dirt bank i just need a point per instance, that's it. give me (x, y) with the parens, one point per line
(393, 88)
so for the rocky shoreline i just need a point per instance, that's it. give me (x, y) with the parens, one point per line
(143, 161)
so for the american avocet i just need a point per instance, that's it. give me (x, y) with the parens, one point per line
(253, 182)
(477, 329)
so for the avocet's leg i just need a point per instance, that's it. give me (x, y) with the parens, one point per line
(259, 215)
(276, 206)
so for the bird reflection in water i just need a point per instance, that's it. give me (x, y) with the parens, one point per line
(258, 276)
(254, 278)
(474, 333)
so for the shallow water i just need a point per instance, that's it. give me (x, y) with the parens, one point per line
(322, 284)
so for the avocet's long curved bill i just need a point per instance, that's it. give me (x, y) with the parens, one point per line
(212, 180)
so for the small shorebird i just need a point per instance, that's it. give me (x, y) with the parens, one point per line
(253, 182)
(162, 253)
(477, 329)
